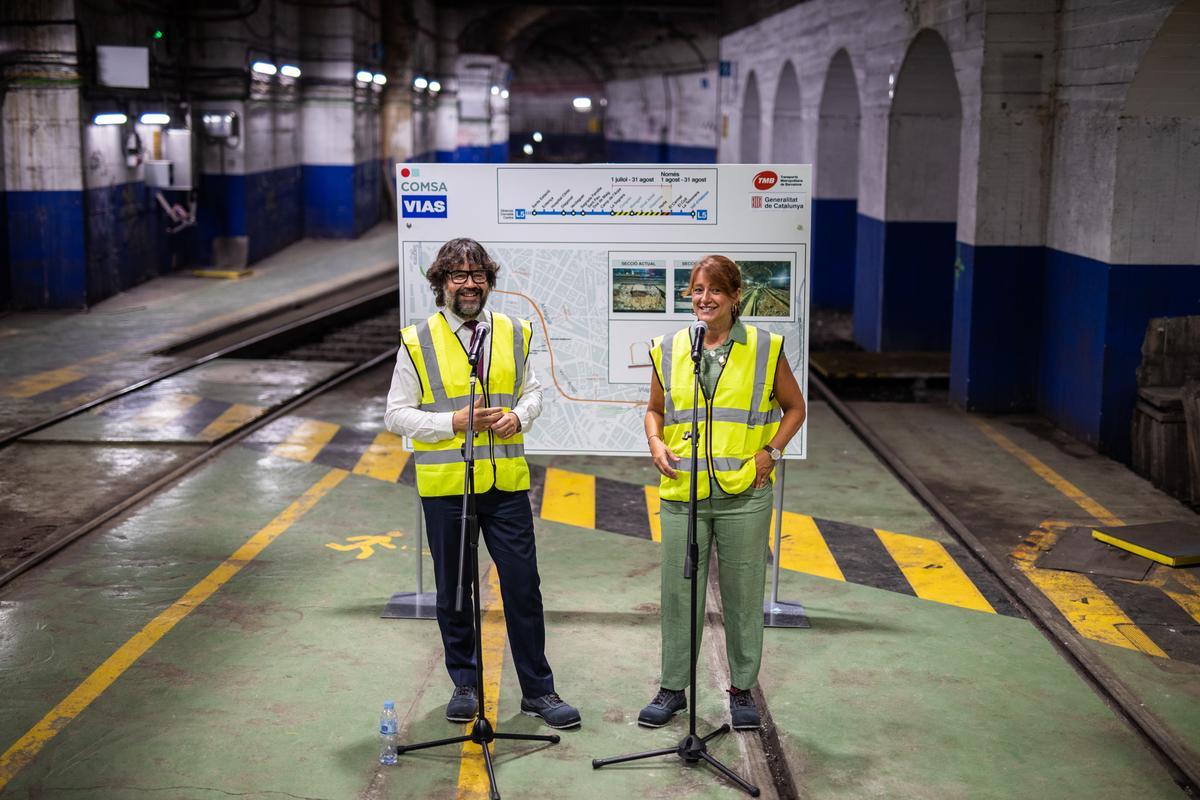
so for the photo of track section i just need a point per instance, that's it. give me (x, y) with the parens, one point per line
(766, 288)
(639, 290)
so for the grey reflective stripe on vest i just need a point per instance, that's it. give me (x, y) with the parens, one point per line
(760, 368)
(518, 360)
(753, 418)
(455, 403)
(434, 370)
(665, 358)
(455, 455)
(727, 464)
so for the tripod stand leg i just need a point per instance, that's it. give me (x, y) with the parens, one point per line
(407, 748)
(747, 787)
(723, 729)
(597, 763)
(493, 792)
(552, 738)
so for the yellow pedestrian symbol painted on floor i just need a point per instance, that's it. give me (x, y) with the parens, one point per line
(365, 545)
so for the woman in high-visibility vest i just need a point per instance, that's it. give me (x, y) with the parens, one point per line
(745, 384)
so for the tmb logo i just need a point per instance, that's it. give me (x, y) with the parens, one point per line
(765, 180)
(423, 205)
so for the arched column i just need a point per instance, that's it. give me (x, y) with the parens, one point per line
(904, 275)
(835, 204)
(751, 128)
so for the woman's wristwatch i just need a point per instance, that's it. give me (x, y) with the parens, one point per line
(772, 452)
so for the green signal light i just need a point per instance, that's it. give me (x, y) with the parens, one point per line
(158, 34)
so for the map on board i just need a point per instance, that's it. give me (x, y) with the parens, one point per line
(597, 300)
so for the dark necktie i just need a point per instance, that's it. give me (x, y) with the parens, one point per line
(471, 325)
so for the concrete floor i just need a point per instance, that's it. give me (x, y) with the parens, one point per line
(225, 638)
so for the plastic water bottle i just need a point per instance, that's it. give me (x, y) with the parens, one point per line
(388, 725)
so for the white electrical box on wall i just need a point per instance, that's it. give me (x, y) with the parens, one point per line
(174, 171)
(159, 174)
(127, 67)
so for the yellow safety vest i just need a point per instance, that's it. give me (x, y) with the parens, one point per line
(734, 424)
(441, 363)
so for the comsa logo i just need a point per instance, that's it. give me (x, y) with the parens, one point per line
(423, 205)
(765, 180)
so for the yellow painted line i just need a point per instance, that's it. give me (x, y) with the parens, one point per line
(1073, 492)
(472, 772)
(384, 459)
(33, 385)
(804, 548)
(230, 420)
(25, 749)
(653, 505)
(164, 410)
(1089, 610)
(569, 497)
(227, 274)
(306, 441)
(932, 572)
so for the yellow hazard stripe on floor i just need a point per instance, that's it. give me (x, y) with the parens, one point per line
(236, 416)
(306, 440)
(1070, 490)
(653, 505)
(1084, 604)
(164, 410)
(472, 772)
(569, 497)
(33, 385)
(804, 548)
(932, 572)
(28, 746)
(384, 459)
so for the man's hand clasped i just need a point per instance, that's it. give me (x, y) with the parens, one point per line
(503, 423)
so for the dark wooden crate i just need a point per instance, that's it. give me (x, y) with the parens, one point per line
(1160, 440)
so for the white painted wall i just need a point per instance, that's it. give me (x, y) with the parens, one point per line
(682, 108)
(1156, 215)
(836, 163)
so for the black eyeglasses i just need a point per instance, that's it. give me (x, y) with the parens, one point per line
(459, 276)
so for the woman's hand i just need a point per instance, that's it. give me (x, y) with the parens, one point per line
(664, 459)
(763, 464)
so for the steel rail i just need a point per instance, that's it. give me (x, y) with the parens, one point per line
(223, 444)
(1179, 763)
(9, 438)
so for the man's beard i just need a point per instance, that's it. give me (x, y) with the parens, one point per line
(456, 305)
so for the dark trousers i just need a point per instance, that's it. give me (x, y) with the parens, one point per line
(506, 527)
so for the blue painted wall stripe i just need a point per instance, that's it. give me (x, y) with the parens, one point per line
(904, 285)
(834, 233)
(996, 329)
(47, 256)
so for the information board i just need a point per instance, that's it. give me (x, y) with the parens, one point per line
(597, 257)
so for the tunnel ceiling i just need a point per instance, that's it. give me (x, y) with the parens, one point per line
(577, 42)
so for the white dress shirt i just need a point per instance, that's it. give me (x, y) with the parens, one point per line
(404, 418)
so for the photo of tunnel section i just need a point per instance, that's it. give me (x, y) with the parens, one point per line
(766, 288)
(639, 290)
(683, 298)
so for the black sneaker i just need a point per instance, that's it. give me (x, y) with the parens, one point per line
(463, 704)
(742, 711)
(552, 709)
(666, 704)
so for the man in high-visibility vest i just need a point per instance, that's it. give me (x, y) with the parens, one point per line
(428, 403)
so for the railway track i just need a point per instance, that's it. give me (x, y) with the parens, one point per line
(1171, 753)
(359, 331)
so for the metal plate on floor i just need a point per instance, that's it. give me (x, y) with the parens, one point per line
(1076, 551)
(410, 605)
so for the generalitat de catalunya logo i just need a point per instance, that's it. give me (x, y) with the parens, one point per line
(765, 180)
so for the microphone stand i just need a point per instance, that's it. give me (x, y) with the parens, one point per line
(692, 748)
(482, 732)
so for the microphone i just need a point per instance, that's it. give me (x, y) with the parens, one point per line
(476, 351)
(699, 329)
